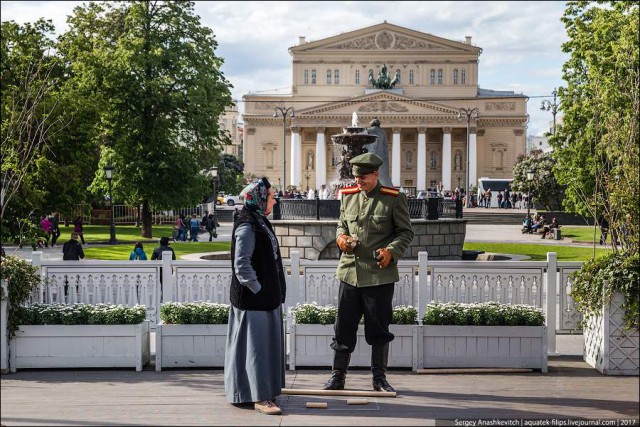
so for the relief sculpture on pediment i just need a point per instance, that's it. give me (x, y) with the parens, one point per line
(404, 42)
(365, 43)
(384, 39)
(266, 105)
(383, 107)
(500, 106)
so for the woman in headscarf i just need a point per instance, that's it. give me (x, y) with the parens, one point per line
(254, 365)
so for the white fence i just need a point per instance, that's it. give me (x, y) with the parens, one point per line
(543, 284)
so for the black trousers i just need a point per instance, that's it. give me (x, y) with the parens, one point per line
(375, 303)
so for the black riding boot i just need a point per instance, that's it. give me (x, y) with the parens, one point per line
(379, 359)
(338, 371)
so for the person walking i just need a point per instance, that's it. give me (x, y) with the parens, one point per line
(254, 363)
(78, 227)
(72, 249)
(194, 225)
(55, 228)
(374, 230)
(210, 225)
(164, 247)
(138, 253)
(47, 226)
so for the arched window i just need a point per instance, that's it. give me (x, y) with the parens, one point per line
(313, 77)
(410, 77)
(336, 77)
(357, 77)
(440, 76)
(463, 77)
(432, 77)
(306, 77)
(328, 77)
(455, 76)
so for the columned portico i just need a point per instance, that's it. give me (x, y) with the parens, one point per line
(395, 158)
(321, 158)
(296, 156)
(421, 181)
(446, 158)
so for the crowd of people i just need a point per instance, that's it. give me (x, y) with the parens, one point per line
(504, 200)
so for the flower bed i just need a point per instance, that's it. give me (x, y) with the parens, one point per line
(191, 335)
(486, 335)
(311, 333)
(80, 336)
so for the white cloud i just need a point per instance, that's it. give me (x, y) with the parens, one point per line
(521, 41)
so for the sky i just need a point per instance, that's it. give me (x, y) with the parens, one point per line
(521, 41)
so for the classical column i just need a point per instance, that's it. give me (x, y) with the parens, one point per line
(473, 159)
(296, 157)
(446, 158)
(421, 181)
(395, 153)
(321, 158)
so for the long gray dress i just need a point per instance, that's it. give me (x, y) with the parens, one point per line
(254, 363)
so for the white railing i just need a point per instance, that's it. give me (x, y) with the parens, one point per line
(543, 284)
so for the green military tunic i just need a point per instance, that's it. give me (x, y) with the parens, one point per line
(380, 219)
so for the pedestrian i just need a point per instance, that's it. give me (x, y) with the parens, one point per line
(194, 225)
(182, 227)
(374, 230)
(72, 249)
(78, 227)
(604, 229)
(254, 363)
(210, 225)
(55, 228)
(457, 198)
(138, 253)
(46, 226)
(164, 247)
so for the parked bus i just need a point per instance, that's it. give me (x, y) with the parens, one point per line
(495, 185)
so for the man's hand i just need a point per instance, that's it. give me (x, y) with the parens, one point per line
(347, 244)
(384, 257)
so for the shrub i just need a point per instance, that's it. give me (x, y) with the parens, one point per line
(482, 314)
(81, 314)
(194, 313)
(22, 279)
(311, 313)
(622, 271)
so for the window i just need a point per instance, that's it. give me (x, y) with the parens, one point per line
(357, 77)
(410, 77)
(313, 77)
(440, 76)
(328, 77)
(306, 77)
(336, 77)
(455, 76)
(432, 77)
(463, 77)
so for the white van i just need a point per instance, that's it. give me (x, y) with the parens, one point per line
(495, 185)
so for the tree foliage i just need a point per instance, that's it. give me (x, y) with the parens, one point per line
(596, 147)
(231, 174)
(544, 187)
(150, 69)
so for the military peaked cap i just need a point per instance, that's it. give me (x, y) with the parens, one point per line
(365, 163)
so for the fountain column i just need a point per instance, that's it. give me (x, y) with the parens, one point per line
(421, 181)
(296, 157)
(395, 154)
(473, 178)
(446, 159)
(321, 158)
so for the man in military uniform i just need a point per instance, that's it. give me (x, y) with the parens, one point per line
(373, 232)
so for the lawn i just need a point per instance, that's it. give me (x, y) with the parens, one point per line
(124, 233)
(537, 252)
(581, 233)
(120, 252)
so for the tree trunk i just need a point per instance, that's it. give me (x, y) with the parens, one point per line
(146, 220)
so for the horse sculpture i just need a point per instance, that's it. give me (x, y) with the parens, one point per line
(384, 80)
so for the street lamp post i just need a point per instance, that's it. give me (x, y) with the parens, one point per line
(213, 172)
(551, 106)
(283, 112)
(529, 180)
(108, 170)
(468, 113)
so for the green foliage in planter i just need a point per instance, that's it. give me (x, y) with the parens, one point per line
(482, 314)
(622, 271)
(194, 313)
(81, 314)
(22, 279)
(313, 314)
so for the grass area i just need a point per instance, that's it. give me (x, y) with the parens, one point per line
(581, 233)
(124, 233)
(536, 252)
(120, 252)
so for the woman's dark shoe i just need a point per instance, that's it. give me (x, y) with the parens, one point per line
(336, 382)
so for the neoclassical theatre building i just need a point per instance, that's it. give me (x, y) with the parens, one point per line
(428, 141)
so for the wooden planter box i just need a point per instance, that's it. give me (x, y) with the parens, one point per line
(608, 346)
(450, 346)
(81, 346)
(180, 346)
(309, 345)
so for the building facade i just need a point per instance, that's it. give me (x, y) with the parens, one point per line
(228, 121)
(429, 146)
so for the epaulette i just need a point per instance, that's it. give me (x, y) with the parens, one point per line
(350, 190)
(390, 191)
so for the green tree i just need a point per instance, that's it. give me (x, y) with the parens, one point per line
(596, 147)
(544, 188)
(151, 70)
(230, 172)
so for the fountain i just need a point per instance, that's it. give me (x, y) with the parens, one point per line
(353, 139)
